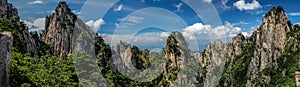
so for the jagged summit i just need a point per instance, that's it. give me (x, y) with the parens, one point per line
(59, 28)
(63, 9)
(276, 10)
(62, 28)
(277, 15)
(2, 2)
(7, 10)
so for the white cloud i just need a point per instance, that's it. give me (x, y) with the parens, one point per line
(243, 5)
(250, 31)
(294, 14)
(36, 25)
(246, 34)
(224, 2)
(129, 20)
(207, 1)
(218, 32)
(134, 19)
(76, 12)
(95, 25)
(119, 8)
(36, 2)
(178, 6)
(164, 35)
(146, 40)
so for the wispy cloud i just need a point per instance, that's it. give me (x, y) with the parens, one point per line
(36, 2)
(207, 1)
(243, 5)
(294, 14)
(178, 6)
(119, 8)
(129, 20)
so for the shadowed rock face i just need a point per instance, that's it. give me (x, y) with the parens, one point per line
(7, 10)
(6, 42)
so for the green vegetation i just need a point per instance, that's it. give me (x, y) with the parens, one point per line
(45, 71)
(239, 67)
(284, 75)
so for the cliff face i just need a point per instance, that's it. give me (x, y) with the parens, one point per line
(59, 28)
(6, 42)
(7, 10)
(178, 56)
(269, 42)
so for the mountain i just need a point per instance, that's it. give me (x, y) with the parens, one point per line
(59, 28)
(267, 58)
(253, 61)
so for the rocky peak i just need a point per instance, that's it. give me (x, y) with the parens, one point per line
(2, 2)
(59, 29)
(277, 16)
(7, 10)
(269, 42)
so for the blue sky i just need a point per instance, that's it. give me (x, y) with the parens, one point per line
(147, 23)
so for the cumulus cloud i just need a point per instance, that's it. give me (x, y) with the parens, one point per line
(119, 8)
(243, 5)
(294, 14)
(164, 35)
(95, 25)
(36, 25)
(218, 32)
(207, 1)
(36, 2)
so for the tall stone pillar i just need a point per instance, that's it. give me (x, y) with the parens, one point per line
(6, 43)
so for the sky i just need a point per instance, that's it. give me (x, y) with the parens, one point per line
(148, 23)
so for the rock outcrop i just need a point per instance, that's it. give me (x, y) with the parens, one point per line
(59, 30)
(178, 56)
(6, 42)
(269, 41)
(7, 10)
